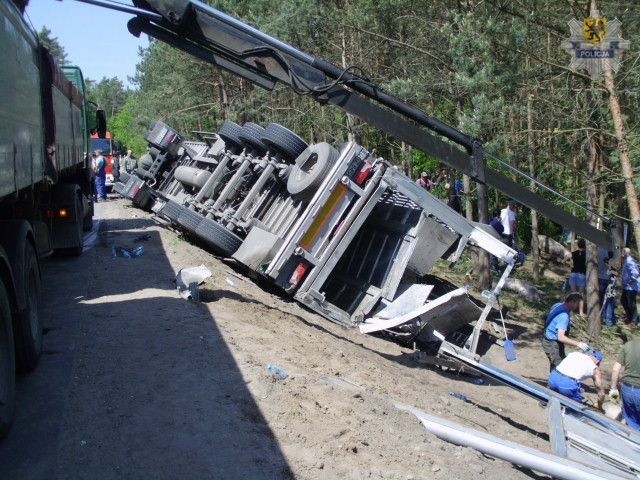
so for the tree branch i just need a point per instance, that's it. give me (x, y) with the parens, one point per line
(404, 44)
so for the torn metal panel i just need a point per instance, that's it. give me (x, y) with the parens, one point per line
(440, 307)
(433, 239)
(599, 446)
(557, 437)
(518, 454)
(411, 296)
(540, 393)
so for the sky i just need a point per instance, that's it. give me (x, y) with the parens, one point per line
(94, 38)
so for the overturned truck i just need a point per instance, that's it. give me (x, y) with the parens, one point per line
(344, 232)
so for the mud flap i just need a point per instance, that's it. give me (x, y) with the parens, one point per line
(258, 249)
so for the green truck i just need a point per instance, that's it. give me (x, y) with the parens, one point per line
(45, 187)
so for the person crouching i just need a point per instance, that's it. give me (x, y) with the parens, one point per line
(566, 378)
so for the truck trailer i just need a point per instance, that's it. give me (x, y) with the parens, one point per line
(45, 187)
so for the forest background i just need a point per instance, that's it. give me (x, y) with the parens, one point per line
(493, 69)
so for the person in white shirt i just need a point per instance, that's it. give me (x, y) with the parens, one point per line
(566, 378)
(508, 220)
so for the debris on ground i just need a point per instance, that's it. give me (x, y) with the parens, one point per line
(278, 372)
(188, 279)
(126, 252)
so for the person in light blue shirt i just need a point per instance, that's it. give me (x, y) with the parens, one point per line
(556, 330)
(630, 286)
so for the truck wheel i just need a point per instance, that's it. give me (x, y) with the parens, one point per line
(230, 133)
(216, 236)
(87, 220)
(76, 250)
(7, 363)
(283, 141)
(310, 169)
(251, 135)
(28, 332)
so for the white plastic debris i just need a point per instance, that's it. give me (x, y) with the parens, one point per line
(188, 279)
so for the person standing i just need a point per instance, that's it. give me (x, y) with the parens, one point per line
(567, 377)
(94, 190)
(625, 376)
(508, 219)
(499, 229)
(116, 167)
(425, 181)
(497, 224)
(99, 169)
(578, 276)
(556, 330)
(130, 163)
(455, 190)
(606, 287)
(630, 286)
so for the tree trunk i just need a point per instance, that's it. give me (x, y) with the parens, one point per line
(623, 153)
(535, 246)
(592, 303)
(350, 119)
(468, 207)
(482, 265)
(623, 146)
(223, 97)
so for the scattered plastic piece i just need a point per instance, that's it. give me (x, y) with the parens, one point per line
(126, 252)
(277, 372)
(459, 396)
(479, 381)
(188, 279)
(230, 282)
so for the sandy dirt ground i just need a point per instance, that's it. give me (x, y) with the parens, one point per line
(136, 382)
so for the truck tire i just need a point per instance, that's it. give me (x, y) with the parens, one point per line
(7, 363)
(251, 135)
(28, 331)
(217, 237)
(87, 222)
(283, 141)
(230, 133)
(76, 251)
(310, 169)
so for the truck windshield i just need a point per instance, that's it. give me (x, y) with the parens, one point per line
(103, 144)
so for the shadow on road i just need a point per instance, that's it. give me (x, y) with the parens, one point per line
(134, 381)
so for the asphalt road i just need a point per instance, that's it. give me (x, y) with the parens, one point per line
(134, 382)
